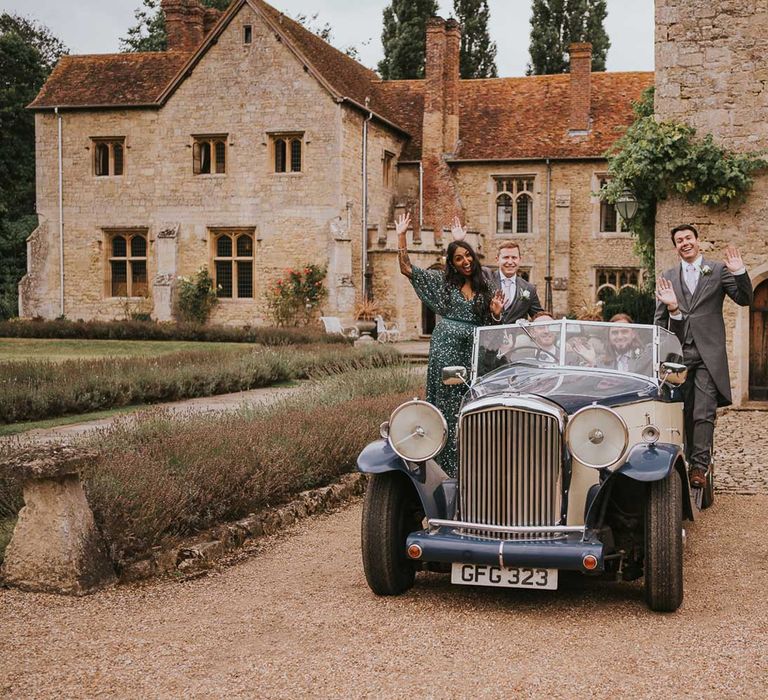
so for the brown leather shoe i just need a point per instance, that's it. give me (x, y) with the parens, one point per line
(697, 477)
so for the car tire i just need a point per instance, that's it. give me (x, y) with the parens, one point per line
(391, 511)
(708, 494)
(663, 569)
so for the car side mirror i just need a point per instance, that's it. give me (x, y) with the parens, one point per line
(673, 373)
(454, 375)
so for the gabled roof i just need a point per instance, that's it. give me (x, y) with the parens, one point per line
(109, 80)
(523, 118)
(500, 118)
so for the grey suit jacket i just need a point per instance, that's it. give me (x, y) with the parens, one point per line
(526, 303)
(703, 315)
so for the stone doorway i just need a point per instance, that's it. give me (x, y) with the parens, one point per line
(758, 344)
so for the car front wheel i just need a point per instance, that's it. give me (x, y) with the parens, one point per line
(391, 511)
(663, 568)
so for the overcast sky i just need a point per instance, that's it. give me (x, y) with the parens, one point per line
(95, 26)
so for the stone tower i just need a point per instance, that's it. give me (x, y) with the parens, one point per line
(712, 73)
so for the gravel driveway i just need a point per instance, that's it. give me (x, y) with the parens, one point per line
(296, 618)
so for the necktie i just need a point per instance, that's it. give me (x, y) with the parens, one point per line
(509, 291)
(691, 278)
(622, 363)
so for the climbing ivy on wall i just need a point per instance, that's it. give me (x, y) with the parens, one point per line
(656, 159)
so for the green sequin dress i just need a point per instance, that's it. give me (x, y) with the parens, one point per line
(451, 344)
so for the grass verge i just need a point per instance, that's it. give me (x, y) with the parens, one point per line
(161, 476)
(37, 390)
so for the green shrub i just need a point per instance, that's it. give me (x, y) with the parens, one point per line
(294, 299)
(35, 390)
(143, 330)
(640, 304)
(162, 476)
(195, 298)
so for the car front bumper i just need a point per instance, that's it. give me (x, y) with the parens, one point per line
(566, 551)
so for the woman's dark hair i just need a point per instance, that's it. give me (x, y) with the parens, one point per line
(477, 281)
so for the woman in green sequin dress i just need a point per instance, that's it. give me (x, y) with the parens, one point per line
(463, 300)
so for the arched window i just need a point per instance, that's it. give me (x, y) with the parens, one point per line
(514, 205)
(127, 265)
(504, 211)
(611, 280)
(280, 155)
(524, 216)
(233, 265)
(209, 155)
(288, 152)
(108, 156)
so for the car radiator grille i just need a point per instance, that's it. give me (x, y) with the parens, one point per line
(509, 469)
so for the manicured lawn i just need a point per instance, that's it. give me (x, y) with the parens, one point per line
(15, 349)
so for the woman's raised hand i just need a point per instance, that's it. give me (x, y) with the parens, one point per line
(403, 223)
(458, 231)
(497, 303)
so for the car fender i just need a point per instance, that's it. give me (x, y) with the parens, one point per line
(436, 490)
(648, 463)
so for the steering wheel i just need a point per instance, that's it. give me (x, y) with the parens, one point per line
(534, 353)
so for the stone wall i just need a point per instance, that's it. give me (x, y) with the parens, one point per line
(711, 72)
(246, 92)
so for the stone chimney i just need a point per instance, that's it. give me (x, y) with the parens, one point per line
(210, 18)
(581, 89)
(440, 126)
(183, 24)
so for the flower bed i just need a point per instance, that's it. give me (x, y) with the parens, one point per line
(36, 390)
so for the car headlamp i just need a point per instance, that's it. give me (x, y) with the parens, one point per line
(597, 436)
(417, 430)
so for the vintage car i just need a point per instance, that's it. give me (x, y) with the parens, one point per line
(571, 458)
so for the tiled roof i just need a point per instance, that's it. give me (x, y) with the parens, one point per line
(345, 76)
(121, 79)
(523, 118)
(500, 118)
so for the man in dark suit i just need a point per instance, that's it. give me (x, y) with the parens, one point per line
(520, 298)
(690, 304)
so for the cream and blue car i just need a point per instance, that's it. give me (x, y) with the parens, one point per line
(571, 458)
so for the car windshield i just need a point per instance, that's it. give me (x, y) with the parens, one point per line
(626, 347)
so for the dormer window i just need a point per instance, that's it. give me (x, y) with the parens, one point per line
(108, 156)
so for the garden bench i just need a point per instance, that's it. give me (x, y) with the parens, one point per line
(56, 546)
(333, 326)
(386, 333)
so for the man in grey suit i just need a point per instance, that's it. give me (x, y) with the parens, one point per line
(690, 303)
(520, 298)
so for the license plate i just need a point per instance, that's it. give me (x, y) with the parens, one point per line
(507, 577)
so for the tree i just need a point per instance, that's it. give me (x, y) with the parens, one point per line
(404, 38)
(555, 24)
(37, 35)
(28, 52)
(148, 34)
(478, 52)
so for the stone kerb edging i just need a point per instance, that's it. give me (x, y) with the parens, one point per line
(56, 546)
(201, 554)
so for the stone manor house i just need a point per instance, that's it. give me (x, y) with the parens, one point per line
(252, 146)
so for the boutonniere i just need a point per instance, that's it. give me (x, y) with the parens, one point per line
(706, 270)
(525, 294)
(636, 353)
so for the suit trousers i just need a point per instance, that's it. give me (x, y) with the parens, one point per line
(700, 407)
